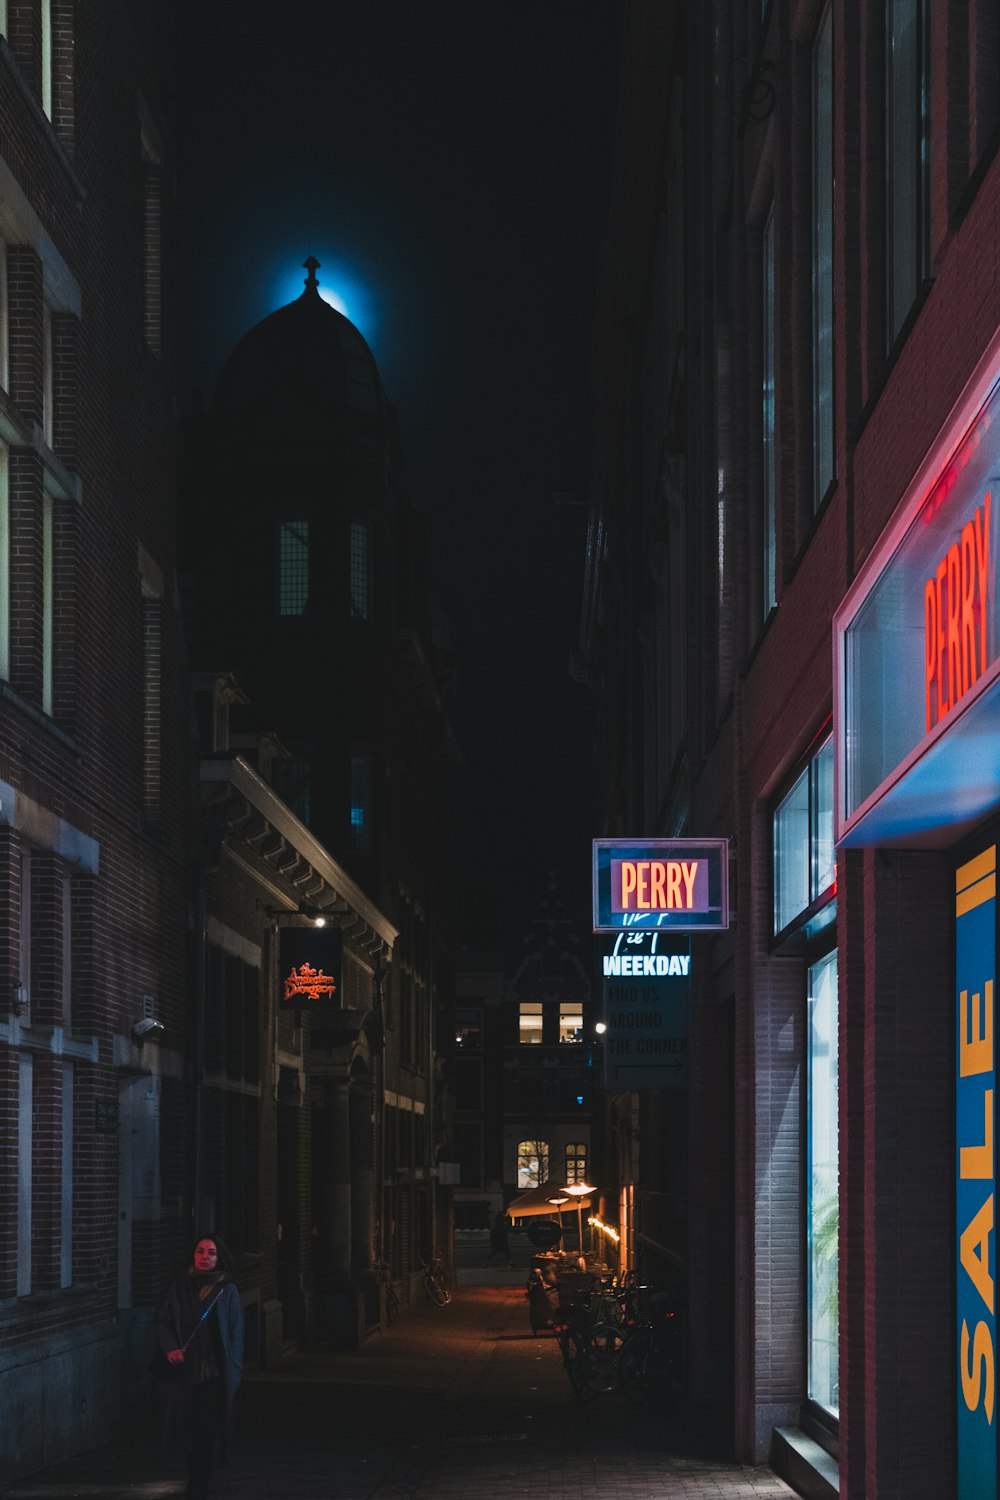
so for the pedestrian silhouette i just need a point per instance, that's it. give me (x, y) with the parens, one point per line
(499, 1243)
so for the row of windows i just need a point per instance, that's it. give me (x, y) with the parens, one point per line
(531, 1016)
(530, 1021)
(533, 1164)
(293, 780)
(293, 569)
(907, 239)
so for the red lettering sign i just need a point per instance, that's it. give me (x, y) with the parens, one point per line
(309, 982)
(955, 601)
(657, 885)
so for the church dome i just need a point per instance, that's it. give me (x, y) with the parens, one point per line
(303, 357)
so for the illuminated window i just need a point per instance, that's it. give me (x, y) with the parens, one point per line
(576, 1162)
(468, 1027)
(804, 858)
(822, 247)
(293, 567)
(532, 1163)
(570, 1021)
(823, 1184)
(530, 1021)
(361, 804)
(907, 164)
(361, 571)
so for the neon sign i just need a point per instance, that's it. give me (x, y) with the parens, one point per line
(661, 884)
(955, 613)
(310, 984)
(310, 961)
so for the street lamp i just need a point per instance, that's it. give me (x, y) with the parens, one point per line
(558, 1200)
(579, 1190)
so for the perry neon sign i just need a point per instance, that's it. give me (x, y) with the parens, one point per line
(661, 884)
(956, 600)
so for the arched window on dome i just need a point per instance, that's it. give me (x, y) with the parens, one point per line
(293, 567)
(361, 571)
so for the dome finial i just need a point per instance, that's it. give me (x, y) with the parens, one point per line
(312, 265)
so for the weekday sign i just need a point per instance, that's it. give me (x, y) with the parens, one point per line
(661, 884)
(647, 986)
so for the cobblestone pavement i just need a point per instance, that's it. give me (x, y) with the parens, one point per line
(455, 1403)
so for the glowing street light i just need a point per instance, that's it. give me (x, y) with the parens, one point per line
(579, 1190)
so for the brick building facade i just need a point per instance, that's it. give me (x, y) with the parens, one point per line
(94, 759)
(790, 637)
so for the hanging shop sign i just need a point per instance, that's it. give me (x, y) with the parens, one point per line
(975, 1174)
(917, 647)
(661, 884)
(646, 987)
(309, 967)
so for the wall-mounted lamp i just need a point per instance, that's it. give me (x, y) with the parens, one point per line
(600, 1027)
(315, 914)
(147, 1030)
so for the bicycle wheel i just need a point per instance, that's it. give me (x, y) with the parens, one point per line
(576, 1362)
(606, 1343)
(634, 1366)
(435, 1291)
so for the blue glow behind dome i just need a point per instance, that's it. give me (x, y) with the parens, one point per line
(339, 285)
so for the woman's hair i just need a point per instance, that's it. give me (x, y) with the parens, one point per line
(225, 1260)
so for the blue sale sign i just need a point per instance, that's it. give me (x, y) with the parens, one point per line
(975, 1086)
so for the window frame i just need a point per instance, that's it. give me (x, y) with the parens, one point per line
(819, 910)
(361, 582)
(822, 173)
(528, 1035)
(916, 151)
(284, 527)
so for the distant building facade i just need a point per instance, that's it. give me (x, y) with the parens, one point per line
(307, 587)
(95, 766)
(523, 1067)
(791, 640)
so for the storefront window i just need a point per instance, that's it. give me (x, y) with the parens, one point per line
(822, 1208)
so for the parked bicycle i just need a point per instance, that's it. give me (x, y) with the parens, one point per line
(590, 1343)
(435, 1281)
(650, 1359)
(391, 1296)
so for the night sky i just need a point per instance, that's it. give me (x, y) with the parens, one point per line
(448, 162)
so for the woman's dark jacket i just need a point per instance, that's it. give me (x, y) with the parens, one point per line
(175, 1320)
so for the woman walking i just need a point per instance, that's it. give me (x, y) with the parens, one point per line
(199, 1329)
